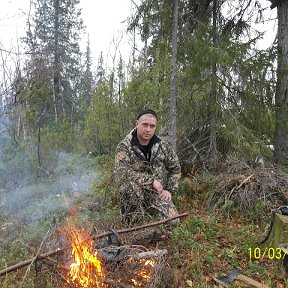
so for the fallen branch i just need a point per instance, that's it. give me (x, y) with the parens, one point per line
(136, 228)
(29, 261)
(244, 181)
(241, 184)
(35, 258)
(60, 250)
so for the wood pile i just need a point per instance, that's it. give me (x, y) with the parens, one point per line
(245, 186)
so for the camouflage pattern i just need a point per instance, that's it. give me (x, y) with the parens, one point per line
(135, 176)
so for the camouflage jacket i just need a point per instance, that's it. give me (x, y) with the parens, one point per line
(131, 164)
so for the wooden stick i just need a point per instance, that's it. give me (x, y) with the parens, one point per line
(29, 261)
(35, 258)
(136, 228)
(60, 250)
(241, 184)
(244, 181)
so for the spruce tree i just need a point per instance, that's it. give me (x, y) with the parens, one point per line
(53, 42)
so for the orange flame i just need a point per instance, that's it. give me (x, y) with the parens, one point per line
(145, 272)
(86, 271)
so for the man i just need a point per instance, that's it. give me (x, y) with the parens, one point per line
(147, 171)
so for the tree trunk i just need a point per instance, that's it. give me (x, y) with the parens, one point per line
(213, 94)
(173, 88)
(281, 97)
(56, 68)
(38, 146)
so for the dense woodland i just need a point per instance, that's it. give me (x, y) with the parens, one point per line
(218, 94)
(216, 91)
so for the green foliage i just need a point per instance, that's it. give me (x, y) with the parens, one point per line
(194, 226)
(259, 213)
(236, 138)
(149, 87)
(101, 131)
(40, 103)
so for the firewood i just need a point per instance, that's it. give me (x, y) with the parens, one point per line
(150, 254)
(61, 250)
(29, 261)
(122, 253)
(136, 228)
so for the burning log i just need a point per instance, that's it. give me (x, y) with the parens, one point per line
(61, 250)
(151, 254)
(122, 253)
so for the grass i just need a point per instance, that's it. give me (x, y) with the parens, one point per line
(208, 244)
(204, 249)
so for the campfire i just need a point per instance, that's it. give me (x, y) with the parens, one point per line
(110, 266)
(82, 264)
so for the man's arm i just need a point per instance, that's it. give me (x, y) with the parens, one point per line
(174, 170)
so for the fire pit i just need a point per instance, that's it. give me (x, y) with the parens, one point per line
(111, 266)
(80, 263)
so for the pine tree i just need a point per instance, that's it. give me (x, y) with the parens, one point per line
(213, 94)
(100, 72)
(52, 39)
(88, 84)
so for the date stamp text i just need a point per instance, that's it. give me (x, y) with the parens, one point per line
(266, 252)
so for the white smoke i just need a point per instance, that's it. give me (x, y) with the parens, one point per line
(27, 197)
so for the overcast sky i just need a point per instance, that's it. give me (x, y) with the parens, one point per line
(103, 20)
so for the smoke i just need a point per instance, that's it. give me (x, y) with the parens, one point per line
(28, 197)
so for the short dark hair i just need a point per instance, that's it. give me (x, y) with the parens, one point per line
(147, 111)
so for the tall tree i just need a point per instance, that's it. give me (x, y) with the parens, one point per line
(88, 84)
(52, 39)
(281, 97)
(100, 71)
(213, 93)
(173, 85)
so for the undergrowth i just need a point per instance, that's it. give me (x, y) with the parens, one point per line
(207, 244)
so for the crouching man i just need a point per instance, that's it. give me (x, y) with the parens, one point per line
(147, 171)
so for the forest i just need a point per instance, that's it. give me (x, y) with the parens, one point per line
(222, 104)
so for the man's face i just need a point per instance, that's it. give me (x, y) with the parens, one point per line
(146, 127)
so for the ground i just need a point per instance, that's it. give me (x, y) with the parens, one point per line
(229, 214)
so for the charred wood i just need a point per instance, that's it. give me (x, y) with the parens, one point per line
(101, 235)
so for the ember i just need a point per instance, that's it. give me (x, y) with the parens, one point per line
(145, 272)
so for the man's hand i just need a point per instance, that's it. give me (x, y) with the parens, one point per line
(165, 195)
(158, 186)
